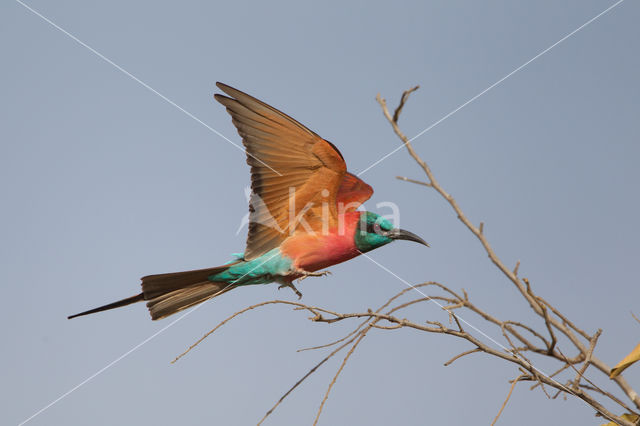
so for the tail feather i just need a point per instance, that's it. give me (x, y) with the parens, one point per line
(161, 284)
(177, 300)
(169, 293)
(118, 304)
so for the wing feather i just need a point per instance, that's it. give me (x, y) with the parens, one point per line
(284, 156)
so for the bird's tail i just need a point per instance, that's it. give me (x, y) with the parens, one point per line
(169, 293)
(118, 304)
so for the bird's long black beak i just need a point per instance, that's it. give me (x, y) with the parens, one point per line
(401, 234)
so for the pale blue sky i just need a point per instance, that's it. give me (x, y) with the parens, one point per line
(102, 182)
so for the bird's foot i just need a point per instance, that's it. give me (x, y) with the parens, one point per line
(305, 274)
(292, 287)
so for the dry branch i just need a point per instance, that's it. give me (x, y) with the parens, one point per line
(556, 324)
(504, 404)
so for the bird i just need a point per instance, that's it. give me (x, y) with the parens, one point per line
(304, 214)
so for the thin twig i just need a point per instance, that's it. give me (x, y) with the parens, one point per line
(403, 100)
(362, 335)
(335, 342)
(419, 182)
(504, 404)
(587, 360)
(515, 270)
(457, 357)
(303, 378)
(223, 323)
(547, 322)
(385, 327)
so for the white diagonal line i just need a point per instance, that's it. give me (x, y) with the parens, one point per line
(110, 62)
(106, 367)
(494, 85)
(124, 355)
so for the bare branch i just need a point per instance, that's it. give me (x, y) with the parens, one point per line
(419, 182)
(515, 270)
(403, 100)
(362, 335)
(390, 327)
(226, 321)
(558, 324)
(303, 378)
(335, 342)
(504, 404)
(547, 322)
(457, 357)
(587, 360)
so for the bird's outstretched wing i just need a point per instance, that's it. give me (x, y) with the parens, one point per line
(295, 174)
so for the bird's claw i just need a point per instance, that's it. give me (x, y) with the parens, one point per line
(292, 287)
(306, 274)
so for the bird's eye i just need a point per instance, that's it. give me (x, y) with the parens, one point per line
(373, 228)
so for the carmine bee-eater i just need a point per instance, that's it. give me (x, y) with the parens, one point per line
(303, 214)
